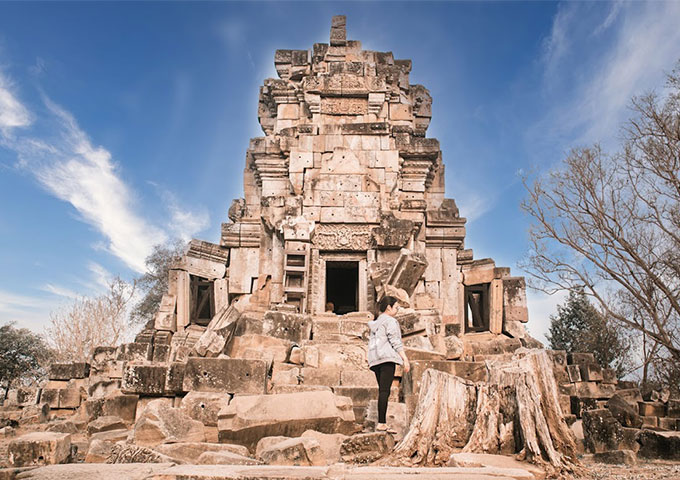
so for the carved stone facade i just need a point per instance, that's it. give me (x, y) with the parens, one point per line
(345, 193)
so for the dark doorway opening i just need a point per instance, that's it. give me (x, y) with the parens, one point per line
(477, 308)
(202, 300)
(342, 286)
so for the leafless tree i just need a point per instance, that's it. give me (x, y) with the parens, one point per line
(610, 223)
(90, 322)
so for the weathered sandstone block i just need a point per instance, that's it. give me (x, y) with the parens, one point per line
(224, 458)
(189, 452)
(294, 452)
(40, 448)
(228, 375)
(160, 424)
(366, 447)
(144, 379)
(623, 412)
(105, 423)
(276, 349)
(247, 419)
(67, 371)
(661, 445)
(204, 406)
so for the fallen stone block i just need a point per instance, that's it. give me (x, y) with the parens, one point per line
(626, 415)
(99, 451)
(650, 422)
(134, 352)
(131, 453)
(33, 414)
(329, 442)
(112, 436)
(204, 406)
(673, 408)
(320, 376)
(299, 452)
(652, 409)
(102, 360)
(144, 379)
(67, 371)
(189, 452)
(225, 458)
(174, 380)
(40, 448)
(659, 445)
(609, 376)
(668, 423)
(64, 426)
(454, 347)
(100, 387)
(580, 358)
(601, 391)
(284, 374)
(105, 424)
(279, 389)
(293, 327)
(229, 375)
(603, 433)
(407, 271)
(267, 442)
(296, 356)
(574, 372)
(366, 447)
(361, 378)
(630, 395)
(580, 405)
(277, 349)
(591, 372)
(159, 424)
(247, 419)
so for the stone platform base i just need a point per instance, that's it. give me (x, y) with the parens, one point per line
(147, 471)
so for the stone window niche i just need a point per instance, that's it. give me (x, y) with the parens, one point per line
(202, 300)
(477, 308)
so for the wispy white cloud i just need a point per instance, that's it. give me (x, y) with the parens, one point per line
(556, 45)
(589, 84)
(183, 222)
(60, 291)
(102, 277)
(13, 114)
(610, 19)
(28, 311)
(70, 167)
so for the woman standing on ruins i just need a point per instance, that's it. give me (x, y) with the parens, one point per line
(385, 351)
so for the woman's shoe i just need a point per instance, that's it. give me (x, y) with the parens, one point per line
(381, 427)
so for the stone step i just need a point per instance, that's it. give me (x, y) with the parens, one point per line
(159, 471)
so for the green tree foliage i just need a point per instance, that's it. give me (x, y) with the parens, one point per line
(580, 327)
(154, 283)
(22, 356)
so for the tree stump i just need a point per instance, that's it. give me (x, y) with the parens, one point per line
(516, 412)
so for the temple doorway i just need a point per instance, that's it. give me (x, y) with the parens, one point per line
(342, 286)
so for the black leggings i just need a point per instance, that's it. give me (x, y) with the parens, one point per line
(384, 374)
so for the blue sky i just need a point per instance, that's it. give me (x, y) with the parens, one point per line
(123, 125)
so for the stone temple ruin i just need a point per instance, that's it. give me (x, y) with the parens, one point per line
(263, 335)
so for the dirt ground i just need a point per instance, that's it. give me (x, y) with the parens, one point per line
(657, 470)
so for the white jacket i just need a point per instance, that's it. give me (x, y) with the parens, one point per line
(384, 341)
